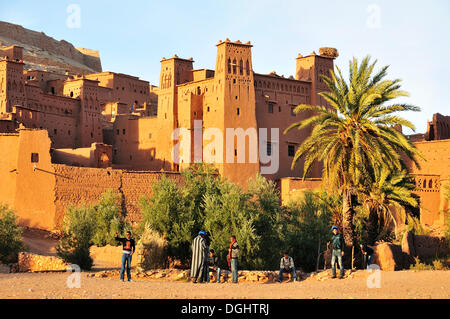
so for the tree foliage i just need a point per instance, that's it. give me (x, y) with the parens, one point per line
(10, 235)
(356, 135)
(77, 233)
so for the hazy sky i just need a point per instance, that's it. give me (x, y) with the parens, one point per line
(132, 36)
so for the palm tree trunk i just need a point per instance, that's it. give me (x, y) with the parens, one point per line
(372, 227)
(347, 219)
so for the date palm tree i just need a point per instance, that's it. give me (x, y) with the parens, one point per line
(356, 133)
(387, 192)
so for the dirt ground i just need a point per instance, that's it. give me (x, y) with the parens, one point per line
(399, 284)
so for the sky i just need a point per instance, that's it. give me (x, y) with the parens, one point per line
(412, 37)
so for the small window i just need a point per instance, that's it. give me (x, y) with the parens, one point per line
(55, 131)
(238, 111)
(291, 150)
(150, 135)
(118, 132)
(123, 131)
(207, 109)
(270, 107)
(292, 111)
(34, 157)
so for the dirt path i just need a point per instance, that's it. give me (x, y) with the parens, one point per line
(400, 284)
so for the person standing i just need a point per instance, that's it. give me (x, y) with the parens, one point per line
(287, 266)
(232, 257)
(338, 245)
(128, 248)
(199, 255)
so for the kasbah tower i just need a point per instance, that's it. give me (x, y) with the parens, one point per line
(231, 97)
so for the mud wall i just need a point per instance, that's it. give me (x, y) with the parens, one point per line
(78, 185)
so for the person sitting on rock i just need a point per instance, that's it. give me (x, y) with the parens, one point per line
(367, 251)
(287, 266)
(212, 265)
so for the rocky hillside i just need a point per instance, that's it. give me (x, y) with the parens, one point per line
(45, 53)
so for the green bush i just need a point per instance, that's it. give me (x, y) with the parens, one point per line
(307, 228)
(77, 233)
(152, 250)
(10, 236)
(228, 213)
(166, 214)
(109, 219)
(255, 216)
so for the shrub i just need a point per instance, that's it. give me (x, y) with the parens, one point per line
(414, 224)
(108, 218)
(10, 236)
(419, 265)
(77, 233)
(231, 213)
(308, 228)
(165, 213)
(152, 249)
(268, 222)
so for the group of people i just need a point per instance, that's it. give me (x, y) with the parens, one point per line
(204, 260)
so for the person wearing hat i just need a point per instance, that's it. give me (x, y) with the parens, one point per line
(338, 245)
(199, 255)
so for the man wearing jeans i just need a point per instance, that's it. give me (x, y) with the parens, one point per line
(338, 245)
(287, 266)
(128, 248)
(212, 265)
(233, 253)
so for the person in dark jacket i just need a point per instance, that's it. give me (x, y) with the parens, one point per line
(128, 248)
(338, 246)
(212, 265)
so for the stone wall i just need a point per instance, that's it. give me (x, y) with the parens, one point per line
(28, 262)
(77, 185)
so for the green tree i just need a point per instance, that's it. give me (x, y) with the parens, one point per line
(268, 221)
(10, 235)
(228, 213)
(355, 135)
(386, 190)
(307, 228)
(108, 219)
(78, 231)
